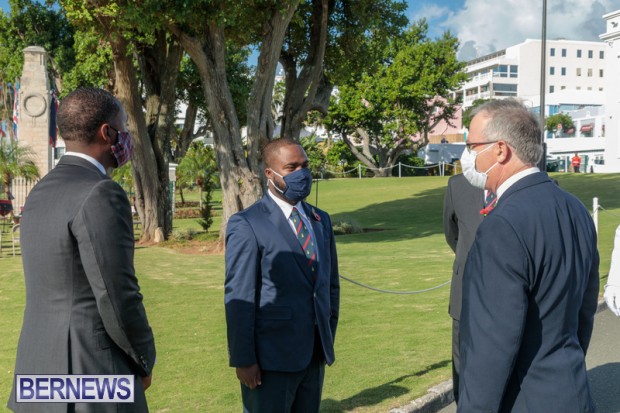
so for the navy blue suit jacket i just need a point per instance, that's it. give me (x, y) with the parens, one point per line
(530, 291)
(272, 305)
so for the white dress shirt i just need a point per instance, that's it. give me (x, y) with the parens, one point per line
(513, 179)
(88, 158)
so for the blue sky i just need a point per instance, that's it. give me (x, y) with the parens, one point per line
(484, 26)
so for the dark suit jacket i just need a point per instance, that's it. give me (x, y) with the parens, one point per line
(272, 305)
(461, 217)
(530, 292)
(84, 312)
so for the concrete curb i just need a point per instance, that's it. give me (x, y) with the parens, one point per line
(437, 397)
(441, 395)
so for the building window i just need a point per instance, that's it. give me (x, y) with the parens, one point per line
(552, 51)
(562, 87)
(590, 54)
(600, 73)
(600, 89)
(589, 72)
(578, 71)
(563, 71)
(578, 52)
(601, 54)
(503, 70)
(551, 89)
(552, 70)
(578, 87)
(514, 71)
(589, 87)
(563, 52)
(500, 89)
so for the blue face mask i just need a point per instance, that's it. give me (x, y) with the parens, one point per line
(298, 184)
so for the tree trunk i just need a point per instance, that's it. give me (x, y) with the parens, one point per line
(240, 185)
(144, 162)
(240, 176)
(159, 66)
(260, 118)
(187, 133)
(301, 90)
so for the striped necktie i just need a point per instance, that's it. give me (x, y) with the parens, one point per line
(489, 203)
(305, 240)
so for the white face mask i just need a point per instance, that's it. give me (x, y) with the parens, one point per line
(468, 163)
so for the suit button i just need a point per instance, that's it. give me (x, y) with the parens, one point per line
(314, 295)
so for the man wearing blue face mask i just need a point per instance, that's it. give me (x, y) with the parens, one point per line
(530, 284)
(282, 290)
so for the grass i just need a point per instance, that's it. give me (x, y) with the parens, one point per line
(389, 348)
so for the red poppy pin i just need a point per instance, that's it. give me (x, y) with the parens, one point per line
(489, 208)
(316, 216)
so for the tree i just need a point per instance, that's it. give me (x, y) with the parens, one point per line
(327, 43)
(30, 23)
(554, 121)
(407, 92)
(467, 113)
(16, 161)
(197, 167)
(146, 62)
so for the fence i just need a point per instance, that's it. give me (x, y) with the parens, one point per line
(440, 167)
(20, 188)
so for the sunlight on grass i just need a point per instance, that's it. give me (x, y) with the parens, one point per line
(389, 348)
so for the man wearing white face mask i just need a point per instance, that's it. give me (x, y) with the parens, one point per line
(530, 284)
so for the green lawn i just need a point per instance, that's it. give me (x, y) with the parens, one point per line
(389, 348)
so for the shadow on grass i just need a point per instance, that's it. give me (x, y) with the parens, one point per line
(375, 395)
(415, 217)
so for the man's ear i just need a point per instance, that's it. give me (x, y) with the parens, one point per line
(503, 152)
(103, 133)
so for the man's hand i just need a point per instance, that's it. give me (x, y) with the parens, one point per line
(612, 297)
(146, 381)
(249, 376)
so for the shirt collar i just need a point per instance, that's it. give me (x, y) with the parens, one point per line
(286, 207)
(513, 179)
(88, 158)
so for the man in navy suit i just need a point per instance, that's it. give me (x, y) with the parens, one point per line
(282, 290)
(531, 281)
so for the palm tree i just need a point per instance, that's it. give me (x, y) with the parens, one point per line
(16, 161)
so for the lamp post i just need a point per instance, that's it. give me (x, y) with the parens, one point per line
(542, 165)
(343, 162)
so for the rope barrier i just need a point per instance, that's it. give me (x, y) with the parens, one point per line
(606, 211)
(392, 291)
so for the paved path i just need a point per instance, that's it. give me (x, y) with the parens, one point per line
(603, 363)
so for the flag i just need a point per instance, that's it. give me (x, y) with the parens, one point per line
(53, 126)
(15, 109)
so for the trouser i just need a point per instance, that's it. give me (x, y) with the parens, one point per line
(285, 392)
(456, 359)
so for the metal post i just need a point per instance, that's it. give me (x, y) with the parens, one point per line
(595, 213)
(542, 165)
(400, 170)
(359, 171)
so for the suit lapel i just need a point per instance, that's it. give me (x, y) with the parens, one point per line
(279, 221)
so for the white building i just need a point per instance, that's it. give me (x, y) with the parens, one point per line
(575, 75)
(612, 89)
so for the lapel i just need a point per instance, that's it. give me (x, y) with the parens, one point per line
(276, 217)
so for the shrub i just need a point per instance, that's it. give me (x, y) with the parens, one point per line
(346, 227)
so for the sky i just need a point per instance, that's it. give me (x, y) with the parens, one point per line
(485, 26)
